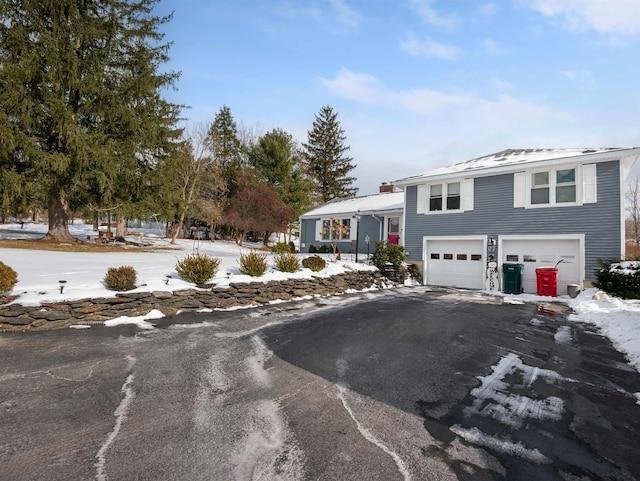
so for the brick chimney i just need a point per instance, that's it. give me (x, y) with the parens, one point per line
(384, 188)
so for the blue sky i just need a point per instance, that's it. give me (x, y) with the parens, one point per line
(417, 84)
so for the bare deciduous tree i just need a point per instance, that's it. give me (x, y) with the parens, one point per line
(633, 209)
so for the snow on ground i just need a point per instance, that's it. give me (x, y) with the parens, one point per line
(39, 273)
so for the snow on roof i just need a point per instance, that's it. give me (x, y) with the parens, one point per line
(510, 157)
(369, 203)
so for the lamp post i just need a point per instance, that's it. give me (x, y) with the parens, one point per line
(367, 239)
(357, 234)
(62, 283)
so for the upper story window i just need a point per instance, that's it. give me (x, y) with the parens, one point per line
(439, 192)
(566, 185)
(445, 197)
(553, 187)
(556, 187)
(435, 197)
(453, 196)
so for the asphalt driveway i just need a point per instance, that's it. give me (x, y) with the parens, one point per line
(400, 384)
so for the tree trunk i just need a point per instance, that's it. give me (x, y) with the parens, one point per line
(178, 228)
(58, 220)
(121, 225)
(36, 216)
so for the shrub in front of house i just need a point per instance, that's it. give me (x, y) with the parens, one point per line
(8, 278)
(253, 264)
(283, 247)
(619, 278)
(386, 253)
(315, 263)
(197, 268)
(323, 249)
(287, 262)
(120, 278)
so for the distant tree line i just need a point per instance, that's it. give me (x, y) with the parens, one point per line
(86, 131)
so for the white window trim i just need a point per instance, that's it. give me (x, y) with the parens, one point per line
(523, 183)
(320, 223)
(423, 193)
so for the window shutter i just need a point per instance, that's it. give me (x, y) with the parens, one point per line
(519, 189)
(467, 194)
(589, 185)
(421, 199)
(353, 231)
(318, 230)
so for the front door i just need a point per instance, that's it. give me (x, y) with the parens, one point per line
(393, 230)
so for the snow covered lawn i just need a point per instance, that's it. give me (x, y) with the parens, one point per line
(40, 271)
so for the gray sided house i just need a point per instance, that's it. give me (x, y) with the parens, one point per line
(537, 208)
(371, 217)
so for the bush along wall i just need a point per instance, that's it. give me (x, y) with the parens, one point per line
(620, 279)
(89, 311)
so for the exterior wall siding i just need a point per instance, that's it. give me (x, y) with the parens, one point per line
(494, 214)
(368, 225)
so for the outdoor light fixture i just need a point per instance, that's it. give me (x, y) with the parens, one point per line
(62, 283)
(168, 278)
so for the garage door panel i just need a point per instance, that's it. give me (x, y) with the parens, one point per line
(455, 263)
(545, 253)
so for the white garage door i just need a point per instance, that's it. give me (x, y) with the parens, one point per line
(532, 253)
(455, 263)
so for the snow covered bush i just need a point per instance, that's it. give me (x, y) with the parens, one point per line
(287, 262)
(620, 279)
(253, 264)
(121, 278)
(197, 268)
(315, 263)
(8, 278)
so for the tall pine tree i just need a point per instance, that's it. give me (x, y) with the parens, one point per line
(82, 117)
(226, 147)
(324, 153)
(277, 161)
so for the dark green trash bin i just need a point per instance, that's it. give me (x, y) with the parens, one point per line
(512, 278)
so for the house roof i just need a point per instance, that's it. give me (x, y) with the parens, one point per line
(509, 157)
(368, 204)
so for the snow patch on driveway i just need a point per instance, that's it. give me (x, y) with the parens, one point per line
(513, 409)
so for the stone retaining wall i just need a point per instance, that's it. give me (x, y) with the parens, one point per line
(57, 315)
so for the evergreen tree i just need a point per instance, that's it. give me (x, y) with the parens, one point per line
(82, 119)
(226, 147)
(277, 161)
(325, 156)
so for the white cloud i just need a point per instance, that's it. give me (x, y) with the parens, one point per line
(501, 84)
(346, 15)
(579, 74)
(427, 48)
(425, 101)
(354, 86)
(426, 12)
(489, 9)
(618, 17)
(319, 12)
(491, 47)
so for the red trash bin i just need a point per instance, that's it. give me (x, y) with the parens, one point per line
(547, 278)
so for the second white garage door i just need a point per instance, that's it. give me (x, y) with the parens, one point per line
(546, 252)
(455, 262)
